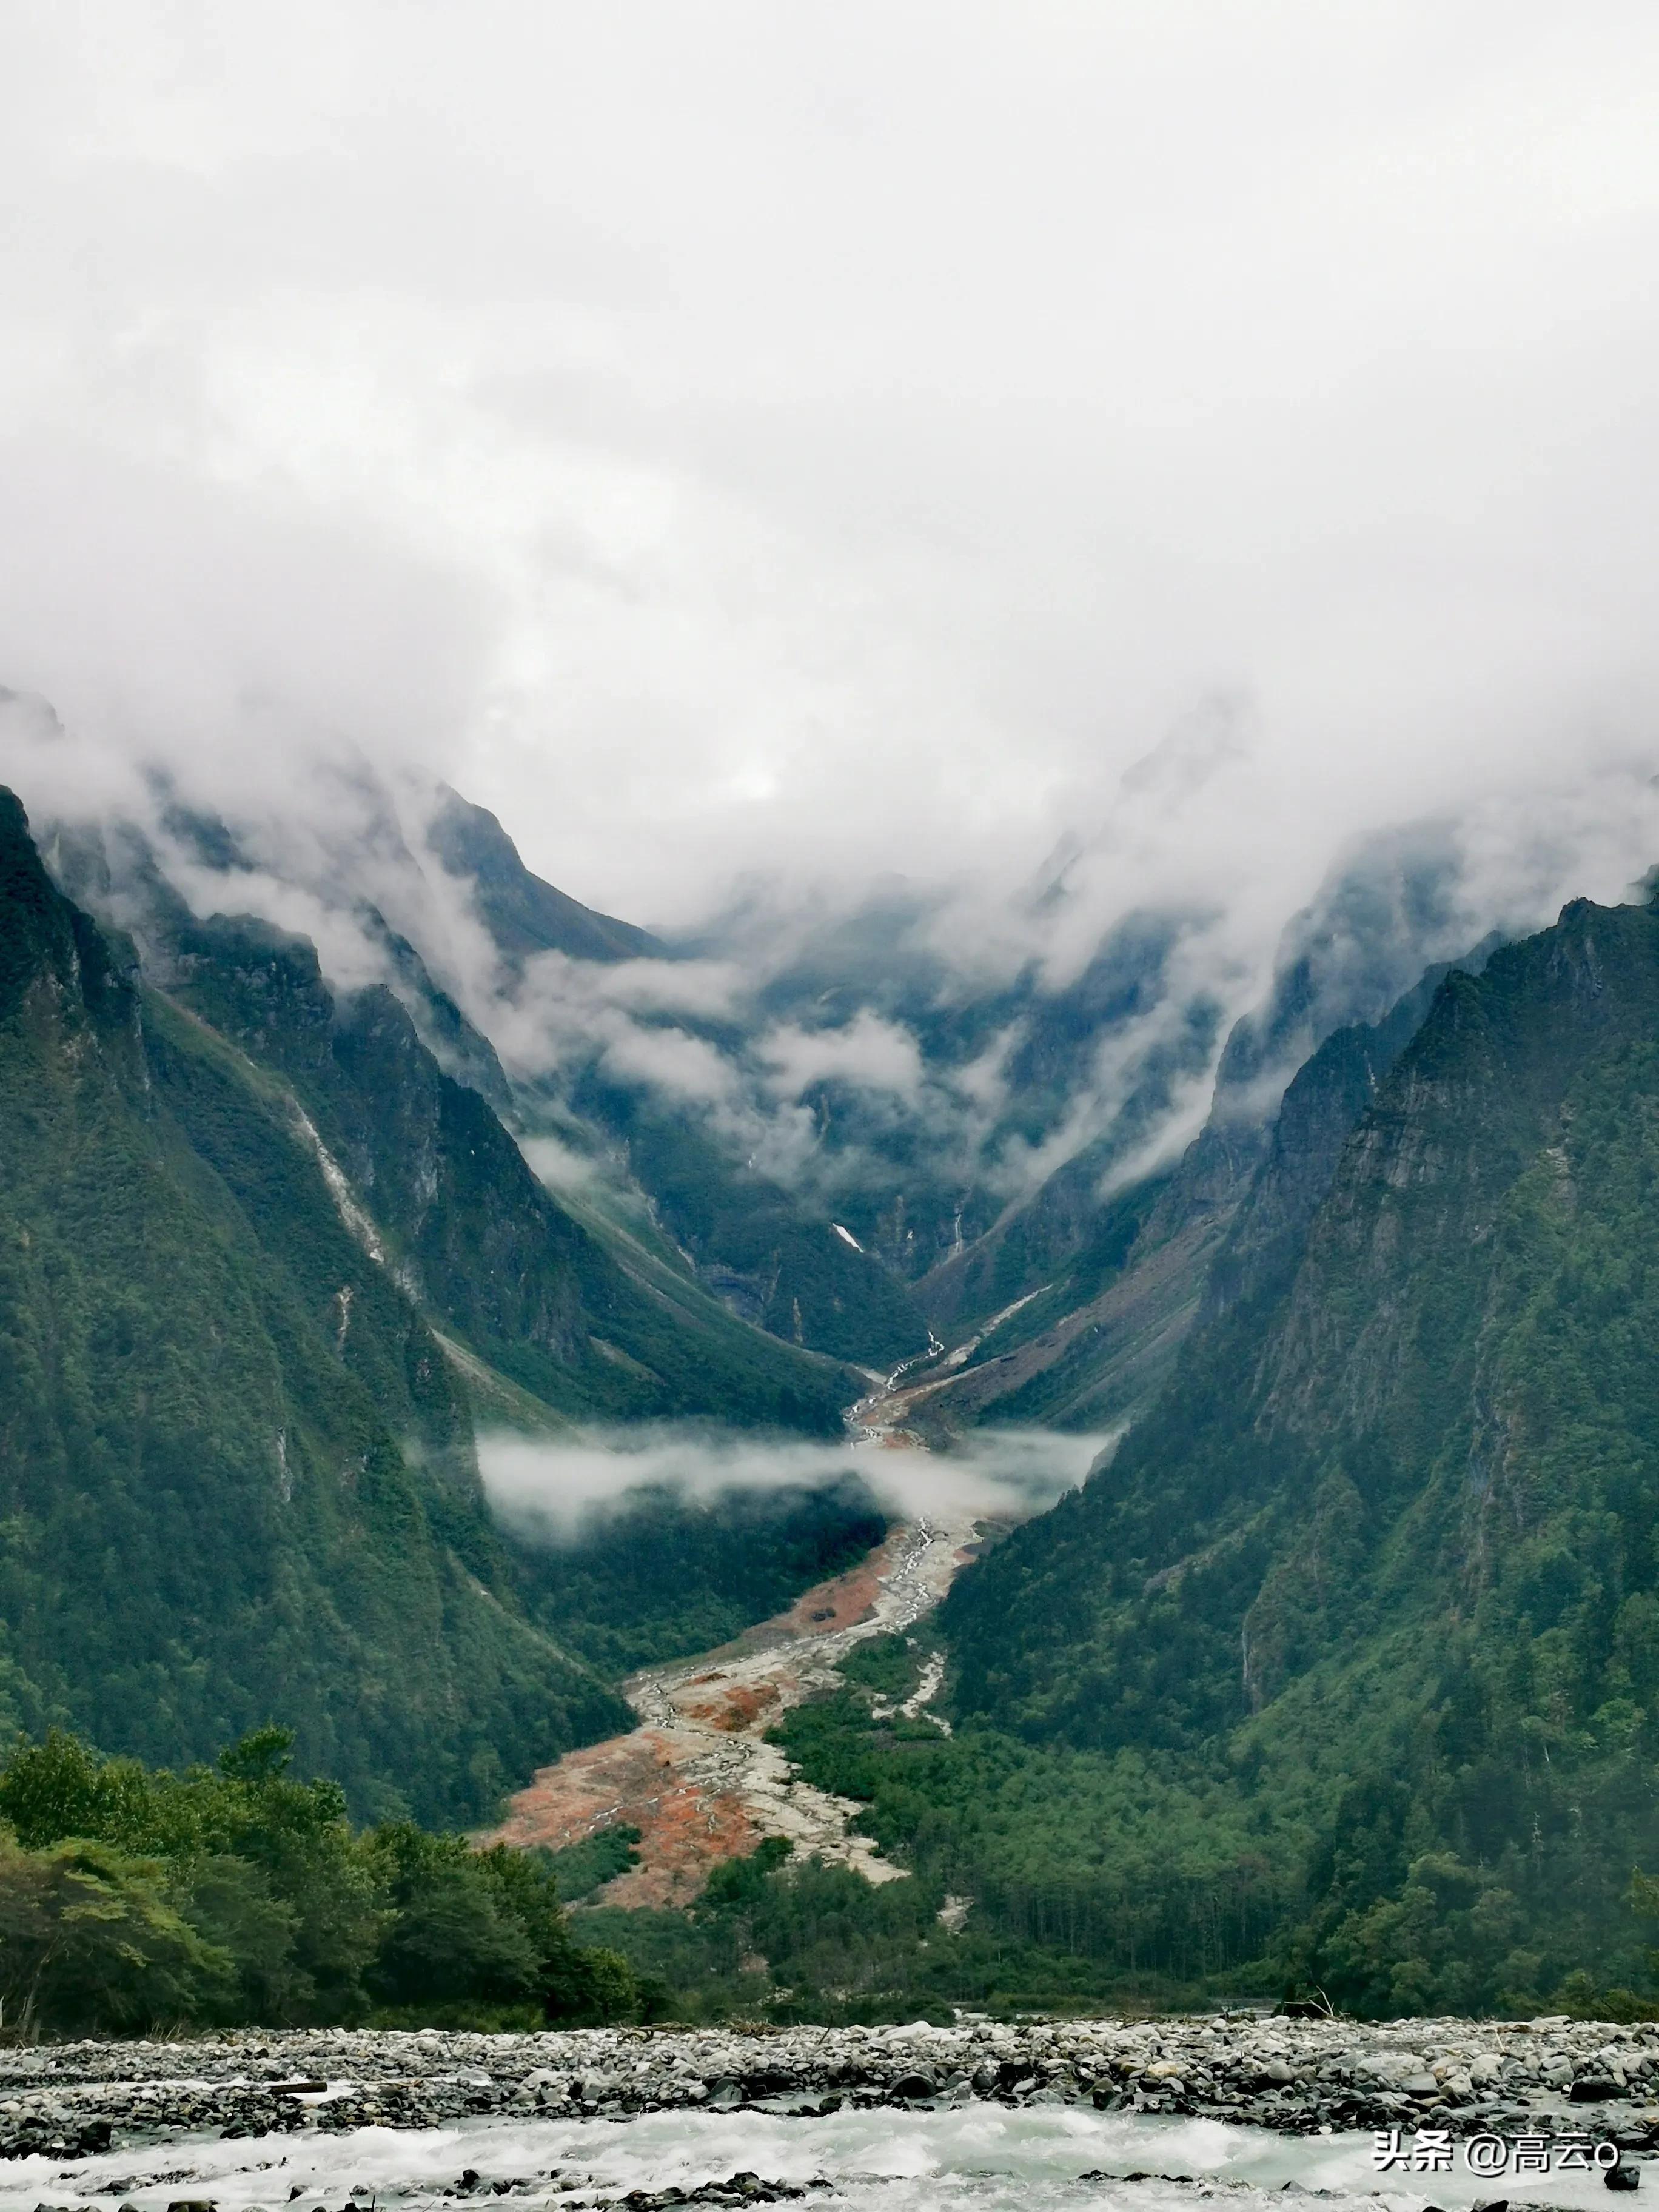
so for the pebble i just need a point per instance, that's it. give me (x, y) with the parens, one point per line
(1550, 2075)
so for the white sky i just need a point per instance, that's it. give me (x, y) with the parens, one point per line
(824, 439)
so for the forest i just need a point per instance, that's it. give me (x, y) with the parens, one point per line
(133, 1898)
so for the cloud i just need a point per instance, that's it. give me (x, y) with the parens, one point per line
(558, 1165)
(670, 1060)
(867, 1053)
(558, 1005)
(691, 434)
(546, 1490)
(1104, 462)
(236, 637)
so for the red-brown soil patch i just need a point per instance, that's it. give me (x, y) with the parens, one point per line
(638, 1780)
(733, 1707)
(634, 1780)
(590, 1789)
(689, 1831)
(841, 1603)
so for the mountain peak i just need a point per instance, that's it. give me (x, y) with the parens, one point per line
(524, 914)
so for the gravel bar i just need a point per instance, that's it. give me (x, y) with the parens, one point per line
(1549, 2076)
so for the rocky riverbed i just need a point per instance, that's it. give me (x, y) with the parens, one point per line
(697, 1777)
(1298, 2076)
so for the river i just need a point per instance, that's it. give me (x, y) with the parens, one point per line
(973, 2158)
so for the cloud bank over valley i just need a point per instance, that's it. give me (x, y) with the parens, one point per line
(550, 1491)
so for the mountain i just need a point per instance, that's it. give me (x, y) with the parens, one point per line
(1379, 1560)
(523, 915)
(851, 1253)
(237, 1470)
(264, 1266)
(773, 1260)
(660, 1192)
(467, 1228)
(1091, 1284)
(847, 1128)
(598, 1315)
(1011, 1088)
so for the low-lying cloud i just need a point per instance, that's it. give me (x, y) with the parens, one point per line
(548, 1491)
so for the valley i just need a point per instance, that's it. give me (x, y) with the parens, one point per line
(1342, 1670)
(828, 1108)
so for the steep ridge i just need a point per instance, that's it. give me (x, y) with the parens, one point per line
(588, 1306)
(1131, 1273)
(1089, 1349)
(472, 1234)
(1383, 1547)
(236, 1474)
(723, 1239)
(524, 914)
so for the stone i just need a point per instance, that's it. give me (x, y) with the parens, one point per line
(912, 2086)
(1295, 2075)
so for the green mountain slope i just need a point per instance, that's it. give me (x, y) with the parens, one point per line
(1382, 1557)
(465, 1225)
(1093, 1296)
(236, 1475)
(734, 1242)
(769, 1257)
(586, 1304)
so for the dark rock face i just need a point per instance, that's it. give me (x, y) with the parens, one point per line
(1324, 1104)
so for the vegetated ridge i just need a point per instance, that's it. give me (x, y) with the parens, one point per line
(260, 1258)
(1376, 1577)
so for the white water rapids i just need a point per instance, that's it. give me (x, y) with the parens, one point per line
(969, 2158)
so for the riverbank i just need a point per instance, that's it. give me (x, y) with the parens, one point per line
(1548, 2077)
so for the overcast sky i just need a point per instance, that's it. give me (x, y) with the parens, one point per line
(831, 438)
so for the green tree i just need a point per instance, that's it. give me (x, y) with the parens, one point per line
(90, 1940)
